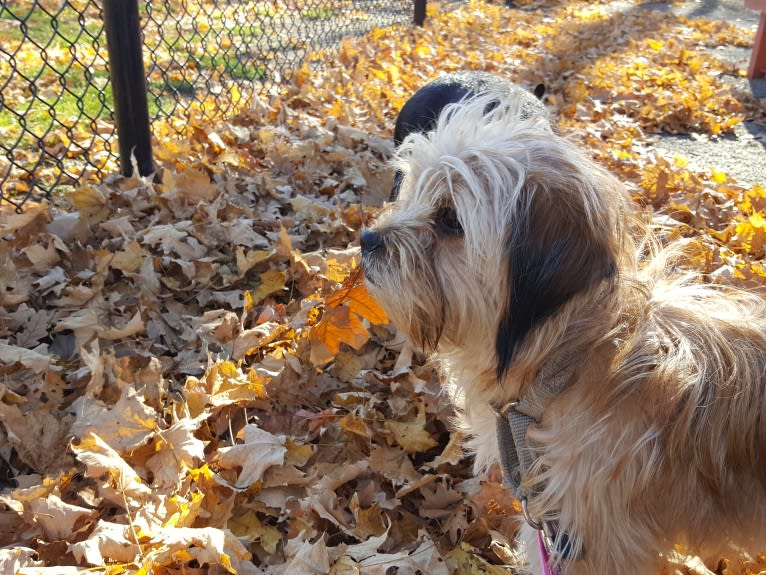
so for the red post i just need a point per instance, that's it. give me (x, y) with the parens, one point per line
(757, 66)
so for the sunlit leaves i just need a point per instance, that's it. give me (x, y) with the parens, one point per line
(195, 380)
(341, 321)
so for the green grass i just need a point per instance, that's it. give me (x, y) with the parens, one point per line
(69, 109)
(82, 97)
(247, 31)
(47, 98)
(318, 14)
(232, 66)
(265, 9)
(163, 95)
(59, 30)
(63, 90)
(68, 92)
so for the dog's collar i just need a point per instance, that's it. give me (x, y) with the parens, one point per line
(513, 421)
(515, 417)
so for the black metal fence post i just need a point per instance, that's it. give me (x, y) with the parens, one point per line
(126, 64)
(420, 12)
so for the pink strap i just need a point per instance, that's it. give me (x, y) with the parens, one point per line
(545, 559)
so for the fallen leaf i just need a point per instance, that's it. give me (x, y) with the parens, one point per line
(411, 433)
(259, 451)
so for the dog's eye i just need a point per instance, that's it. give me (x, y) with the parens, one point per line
(447, 222)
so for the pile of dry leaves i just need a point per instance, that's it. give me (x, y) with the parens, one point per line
(193, 378)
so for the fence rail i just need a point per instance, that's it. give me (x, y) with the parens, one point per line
(57, 117)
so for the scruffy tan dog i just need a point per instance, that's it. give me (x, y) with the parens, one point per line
(516, 261)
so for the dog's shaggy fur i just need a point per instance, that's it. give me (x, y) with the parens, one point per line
(508, 249)
(420, 112)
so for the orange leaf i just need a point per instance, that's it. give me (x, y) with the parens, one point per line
(338, 325)
(354, 293)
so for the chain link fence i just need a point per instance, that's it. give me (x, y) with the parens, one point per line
(56, 110)
(55, 101)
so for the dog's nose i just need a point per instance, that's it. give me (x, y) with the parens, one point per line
(371, 241)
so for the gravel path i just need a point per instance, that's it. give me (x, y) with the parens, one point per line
(742, 155)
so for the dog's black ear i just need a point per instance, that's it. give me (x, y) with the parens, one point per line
(420, 112)
(552, 255)
(398, 177)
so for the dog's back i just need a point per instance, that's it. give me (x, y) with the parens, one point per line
(671, 432)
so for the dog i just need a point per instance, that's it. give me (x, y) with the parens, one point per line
(420, 112)
(523, 268)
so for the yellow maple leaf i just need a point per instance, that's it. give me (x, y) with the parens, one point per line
(249, 525)
(411, 434)
(272, 282)
(90, 202)
(757, 221)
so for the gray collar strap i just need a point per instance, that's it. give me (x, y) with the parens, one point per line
(515, 417)
(517, 457)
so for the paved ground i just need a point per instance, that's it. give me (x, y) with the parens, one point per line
(743, 155)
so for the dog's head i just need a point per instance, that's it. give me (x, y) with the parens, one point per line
(420, 112)
(499, 224)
